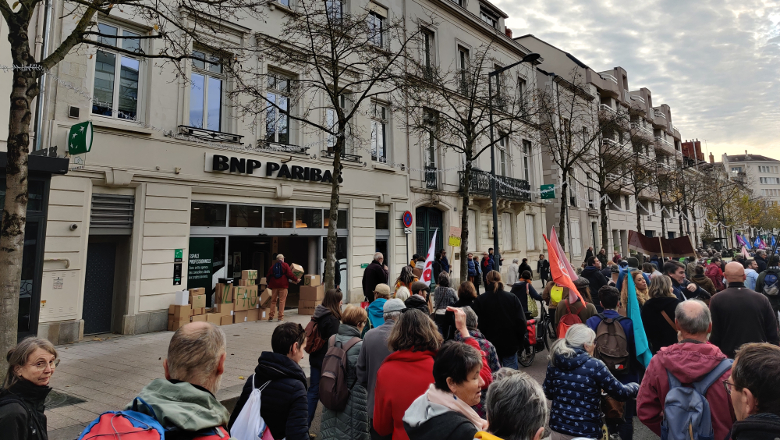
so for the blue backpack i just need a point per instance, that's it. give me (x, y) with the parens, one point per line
(771, 286)
(687, 413)
(278, 270)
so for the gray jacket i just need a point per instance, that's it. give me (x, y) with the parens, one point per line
(372, 355)
(512, 273)
(352, 423)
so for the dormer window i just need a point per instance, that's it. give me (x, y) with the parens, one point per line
(488, 17)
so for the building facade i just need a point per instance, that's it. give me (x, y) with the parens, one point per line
(759, 173)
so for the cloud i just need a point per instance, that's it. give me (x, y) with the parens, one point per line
(716, 63)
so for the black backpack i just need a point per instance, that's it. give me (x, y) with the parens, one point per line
(278, 270)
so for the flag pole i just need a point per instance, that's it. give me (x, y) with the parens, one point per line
(661, 245)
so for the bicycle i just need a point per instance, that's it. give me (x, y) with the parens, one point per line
(545, 336)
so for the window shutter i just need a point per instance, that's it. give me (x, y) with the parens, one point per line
(112, 214)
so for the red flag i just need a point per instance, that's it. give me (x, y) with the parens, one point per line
(560, 274)
(561, 254)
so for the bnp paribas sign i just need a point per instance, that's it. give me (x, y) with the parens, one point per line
(80, 138)
(218, 163)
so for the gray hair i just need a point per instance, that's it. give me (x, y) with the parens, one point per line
(693, 323)
(378, 255)
(515, 260)
(392, 316)
(402, 293)
(578, 336)
(516, 407)
(471, 318)
(19, 355)
(194, 352)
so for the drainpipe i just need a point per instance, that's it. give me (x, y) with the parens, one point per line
(41, 93)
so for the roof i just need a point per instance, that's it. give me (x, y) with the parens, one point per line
(750, 158)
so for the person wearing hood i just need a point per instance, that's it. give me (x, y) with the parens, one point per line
(596, 279)
(754, 387)
(574, 383)
(421, 298)
(376, 308)
(186, 399)
(522, 289)
(31, 365)
(602, 257)
(702, 280)
(689, 361)
(328, 318)
(414, 341)
(375, 273)
(352, 422)
(283, 400)
(443, 297)
(658, 314)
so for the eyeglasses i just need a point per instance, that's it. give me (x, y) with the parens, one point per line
(40, 366)
(728, 386)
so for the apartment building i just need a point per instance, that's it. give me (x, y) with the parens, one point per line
(759, 173)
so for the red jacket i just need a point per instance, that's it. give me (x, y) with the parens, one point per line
(688, 362)
(484, 373)
(280, 283)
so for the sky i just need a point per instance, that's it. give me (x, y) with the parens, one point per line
(716, 63)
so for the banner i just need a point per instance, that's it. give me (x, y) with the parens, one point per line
(643, 353)
(560, 275)
(561, 255)
(428, 268)
(668, 247)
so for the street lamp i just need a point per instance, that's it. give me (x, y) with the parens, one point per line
(530, 58)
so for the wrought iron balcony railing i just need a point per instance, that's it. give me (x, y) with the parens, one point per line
(506, 187)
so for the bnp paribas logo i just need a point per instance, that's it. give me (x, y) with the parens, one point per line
(80, 138)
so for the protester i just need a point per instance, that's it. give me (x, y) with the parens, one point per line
(501, 320)
(658, 314)
(614, 274)
(768, 283)
(375, 350)
(574, 382)
(421, 298)
(651, 269)
(516, 408)
(445, 263)
(375, 309)
(602, 256)
(375, 273)
(740, 315)
(473, 271)
(466, 295)
(616, 257)
(543, 268)
(524, 266)
(689, 361)
(513, 272)
(584, 311)
(683, 289)
(592, 273)
(642, 292)
(413, 261)
(485, 267)
(436, 268)
(443, 297)
(715, 274)
(551, 299)
(754, 387)
(525, 292)
(406, 278)
(761, 260)
(402, 293)
(31, 365)
(472, 325)
(703, 281)
(414, 341)
(328, 318)
(751, 274)
(277, 278)
(352, 421)
(589, 253)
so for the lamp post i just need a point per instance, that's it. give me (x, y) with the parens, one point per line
(530, 58)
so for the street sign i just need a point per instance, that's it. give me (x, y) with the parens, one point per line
(177, 274)
(80, 138)
(407, 219)
(407, 231)
(547, 191)
(178, 255)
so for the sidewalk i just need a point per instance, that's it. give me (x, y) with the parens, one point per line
(109, 372)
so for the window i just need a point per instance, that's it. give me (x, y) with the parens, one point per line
(576, 242)
(277, 117)
(382, 220)
(279, 217)
(473, 232)
(429, 151)
(332, 120)
(206, 92)
(378, 133)
(208, 214)
(342, 221)
(458, 2)
(527, 161)
(522, 89)
(488, 17)
(116, 98)
(428, 46)
(627, 200)
(589, 190)
(246, 216)
(335, 9)
(573, 189)
(376, 26)
(463, 66)
(501, 165)
(506, 232)
(530, 232)
(308, 218)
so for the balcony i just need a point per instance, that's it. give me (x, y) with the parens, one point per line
(606, 108)
(607, 76)
(329, 154)
(282, 148)
(431, 177)
(506, 187)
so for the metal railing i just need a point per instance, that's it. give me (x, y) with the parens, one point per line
(607, 76)
(506, 187)
(605, 107)
(344, 156)
(282, 148)
(431, 177)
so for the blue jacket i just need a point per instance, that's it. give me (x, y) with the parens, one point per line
(628, 329)
(376, 312)
(445, 264)
(574, 385)
(473, 268)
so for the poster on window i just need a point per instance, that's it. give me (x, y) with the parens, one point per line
(200, 263)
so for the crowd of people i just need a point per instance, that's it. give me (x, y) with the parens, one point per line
(423, 362)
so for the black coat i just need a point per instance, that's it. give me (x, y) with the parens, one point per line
(764, 426)
(523, 267)
(415, 302)
(659, 333)
(519, 290)
(761, 264)
(543, 268)
(374, 274)
(739, 316)
(447, 426)
(328, 325)
(596, 279)
(21, 412)
(283, 402)
(501, 320)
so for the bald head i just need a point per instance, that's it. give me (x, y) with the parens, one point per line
(734, 273)
(693, 319)
(196, 354)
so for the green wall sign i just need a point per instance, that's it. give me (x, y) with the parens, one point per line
(200, 264)
(547, 191)
(80, 138)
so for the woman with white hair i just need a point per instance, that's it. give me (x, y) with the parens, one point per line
(574, 383)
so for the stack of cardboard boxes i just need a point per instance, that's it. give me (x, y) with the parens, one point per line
(312, 294)
(193, 311)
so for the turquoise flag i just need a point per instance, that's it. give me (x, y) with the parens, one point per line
(643, 353)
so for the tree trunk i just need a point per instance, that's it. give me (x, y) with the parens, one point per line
(695, 228)
(604, 224)
(464, 222)
(330, 249)
(562, 214)
(663, 223)
(638, 214)
(25, 89)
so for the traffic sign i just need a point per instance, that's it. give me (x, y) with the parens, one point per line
(407, 231)
(407, 219)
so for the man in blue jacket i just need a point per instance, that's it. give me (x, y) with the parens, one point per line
(683, 289)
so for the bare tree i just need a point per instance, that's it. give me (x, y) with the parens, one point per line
(175, 26)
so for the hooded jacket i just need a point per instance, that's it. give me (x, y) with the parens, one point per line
(182, 405)
(417, 302)
(15, 422)
(764, 426)
(280, 283)
(574, 385)
(688, 362)
(659, 333)
(283, 402)
(596, 279)
(376, 312)
(472, 268)
(705, 283)
(425, 420)
(412, 369)
(352, 422)
(328, 326)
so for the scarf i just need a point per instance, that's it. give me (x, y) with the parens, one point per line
(452, 402)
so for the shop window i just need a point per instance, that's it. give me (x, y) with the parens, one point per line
(208, 214)
(278, 217)
(246, 216)
(382, 220)
(117, 97)
(342, 222)
(308, 218)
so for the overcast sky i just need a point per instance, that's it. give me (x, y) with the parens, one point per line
(715, 62)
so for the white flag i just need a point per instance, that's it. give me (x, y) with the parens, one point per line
(428, 271)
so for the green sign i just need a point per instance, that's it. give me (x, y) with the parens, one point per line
(364, 265)
(178, 254)
(547, 191)
(80, 138)
(200, 263)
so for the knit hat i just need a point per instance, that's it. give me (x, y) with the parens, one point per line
(393, 305)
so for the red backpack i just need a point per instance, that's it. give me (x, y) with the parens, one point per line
(314, 340)
(569, 319)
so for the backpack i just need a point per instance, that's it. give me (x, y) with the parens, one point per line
(334, 392)
(568, 320)
(277, 270)
(717, 279)
(612, 344)
(33, 426)
(135, 425)
(771, 285)
(687, 413)
(249, 424)
(314, 340)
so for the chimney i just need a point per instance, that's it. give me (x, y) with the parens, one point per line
(508, 32)
(712, 158)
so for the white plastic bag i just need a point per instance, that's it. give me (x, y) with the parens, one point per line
(249, 424)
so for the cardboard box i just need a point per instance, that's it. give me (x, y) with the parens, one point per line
(182, 298)
(198, 311)
(252, 315)
(307, 307)
(198, 318)
(311, 280)
(176, 323)
(297, 270)
(262, 314)
(197, 291)
(243, 282)
(241, 298)
(223, 293)
(265, 299)
(213, 318)
(198, 301)
(262, 282)
(226, 320)
(223, 309)
(312, 293)
(240, 316)
(179, 312)
(249, 274)
(253, 297)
